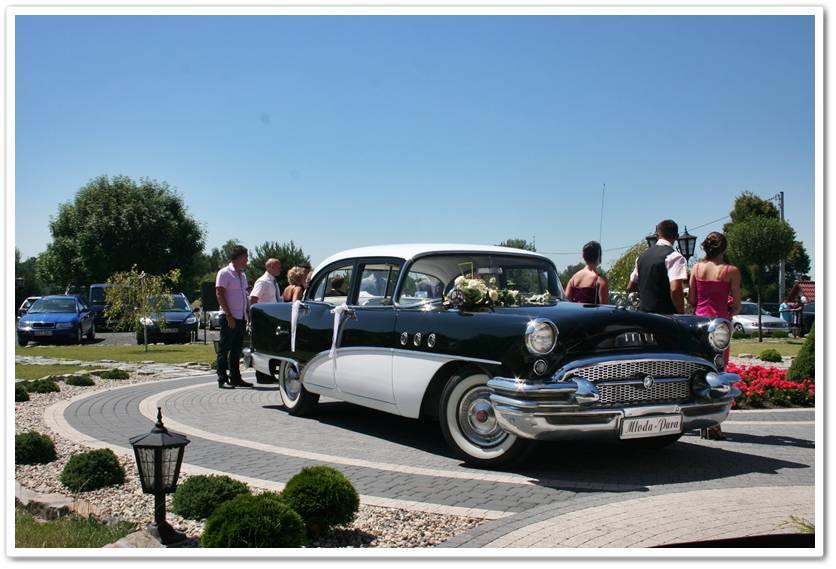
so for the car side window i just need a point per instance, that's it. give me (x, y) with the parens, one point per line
(419, 288)
(333, 286)
(377, 284)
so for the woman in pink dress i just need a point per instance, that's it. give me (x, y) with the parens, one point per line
(714, 291)
(587, 286)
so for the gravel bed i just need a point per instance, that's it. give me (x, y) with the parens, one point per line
(373, 527)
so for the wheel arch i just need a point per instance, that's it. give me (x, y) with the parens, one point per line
(432, 395)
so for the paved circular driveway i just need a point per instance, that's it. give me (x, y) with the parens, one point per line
(402, 462)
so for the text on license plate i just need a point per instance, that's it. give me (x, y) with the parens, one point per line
(638, 427)
(43, 332)
(169, 330)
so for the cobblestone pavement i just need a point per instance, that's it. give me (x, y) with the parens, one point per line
(566, 495)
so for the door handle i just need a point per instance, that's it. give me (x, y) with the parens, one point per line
(350, 314)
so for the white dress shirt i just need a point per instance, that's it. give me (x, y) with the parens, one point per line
(266, 289)
(675, 263)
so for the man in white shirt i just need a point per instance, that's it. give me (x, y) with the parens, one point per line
(266, 289)
(661, 273)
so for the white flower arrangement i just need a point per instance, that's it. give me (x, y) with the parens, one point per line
(473, 292)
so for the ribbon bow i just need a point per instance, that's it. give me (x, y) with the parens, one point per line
(294, 318)
(338, 312)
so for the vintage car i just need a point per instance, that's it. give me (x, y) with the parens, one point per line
(482, 339)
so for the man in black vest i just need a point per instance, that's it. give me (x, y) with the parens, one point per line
(661, 273)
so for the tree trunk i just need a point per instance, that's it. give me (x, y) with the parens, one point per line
(760, 320)
(145, 336)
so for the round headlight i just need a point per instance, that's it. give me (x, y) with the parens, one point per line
(540, 336)
(719, 334)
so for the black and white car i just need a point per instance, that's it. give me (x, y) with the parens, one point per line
(396, 328)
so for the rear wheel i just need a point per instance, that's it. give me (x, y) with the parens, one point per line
(469, 424)
(298, 400)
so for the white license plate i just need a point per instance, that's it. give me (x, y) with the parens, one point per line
(43, 332)
(639, 427)
(169, 330)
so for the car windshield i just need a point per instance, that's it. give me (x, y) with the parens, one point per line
(53, 305)
(430, 278)
(97, 295)
(751, 310)
(172, 303)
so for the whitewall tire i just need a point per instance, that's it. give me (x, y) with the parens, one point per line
(470, 427)
(298, 401)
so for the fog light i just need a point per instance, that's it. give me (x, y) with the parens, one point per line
(540, 367)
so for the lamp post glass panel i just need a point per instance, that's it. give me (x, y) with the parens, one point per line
(651, 239)
(686, 244)
(159, 455)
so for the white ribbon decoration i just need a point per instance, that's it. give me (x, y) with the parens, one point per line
(337, 311)
(294, 317)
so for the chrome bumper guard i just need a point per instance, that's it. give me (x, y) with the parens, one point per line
(554, 410)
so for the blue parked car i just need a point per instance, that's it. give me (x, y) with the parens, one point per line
(57, 317)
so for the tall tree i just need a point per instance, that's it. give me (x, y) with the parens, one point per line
(516, 243)
(758, 242)
(113, 224)
(288, 253)
(619, 273)
(27, 281)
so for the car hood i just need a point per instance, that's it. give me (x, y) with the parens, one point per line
(754, 318)
(172, 317)
(49, 317)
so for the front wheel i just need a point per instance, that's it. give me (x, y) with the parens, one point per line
(738, 328)
(91, 334)
(298, 401)
(22, 341)
(469, 424)
(79, 337)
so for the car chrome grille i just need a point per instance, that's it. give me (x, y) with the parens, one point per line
(613, 394)
(42, 325)
(637, 370)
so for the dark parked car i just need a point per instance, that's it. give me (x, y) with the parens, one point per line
(482, 339)
(56, 317)
(808, 317)
(175, 321)
(96, 301)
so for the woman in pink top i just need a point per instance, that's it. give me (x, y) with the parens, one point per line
(714, 291)
(587, 286)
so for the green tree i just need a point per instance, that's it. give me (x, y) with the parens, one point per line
(288, 253)
(756, 243)
(619, 273)
(113, 224)
(31, 284)
(136, 296)
(516, 243)
(567, 273)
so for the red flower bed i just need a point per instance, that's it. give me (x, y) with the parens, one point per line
(763, 386)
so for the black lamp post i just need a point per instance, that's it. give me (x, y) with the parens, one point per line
(159, 455)
(687, 243)
(651, 239)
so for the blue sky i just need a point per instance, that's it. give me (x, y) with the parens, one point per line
(338, 132)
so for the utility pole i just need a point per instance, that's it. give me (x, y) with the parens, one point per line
(781, 272)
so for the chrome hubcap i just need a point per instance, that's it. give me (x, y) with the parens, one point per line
(291, 383)
(477, 420)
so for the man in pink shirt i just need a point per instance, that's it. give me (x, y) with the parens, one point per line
(231, 290)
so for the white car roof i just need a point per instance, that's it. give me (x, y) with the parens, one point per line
(408, 251)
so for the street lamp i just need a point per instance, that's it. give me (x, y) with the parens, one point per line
(651, 239)
(686, 243)
(159, 455)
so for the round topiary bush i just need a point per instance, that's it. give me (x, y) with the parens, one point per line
(324, 498)
(43, 385)
(804, 364)
(771, 355)
(254, 521)
(34, 448)
(198, 496)
(112, 374)
(20, 393)
(82, 380)
(92, 470)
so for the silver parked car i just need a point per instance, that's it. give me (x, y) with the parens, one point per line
(747, 320)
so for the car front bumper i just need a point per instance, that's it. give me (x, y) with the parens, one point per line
(172, 332)
(555, 410)
(45, 335)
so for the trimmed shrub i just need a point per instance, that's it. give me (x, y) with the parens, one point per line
(82, 380)
(739, 335)
(213, 364)
(324, 498)
(804, 364)
(780, 334)
(198, 496)
(771, 355)
(34, 448)
(20, 393)
(92, 470)
(43, 385)
(254, 521)
(112, 374)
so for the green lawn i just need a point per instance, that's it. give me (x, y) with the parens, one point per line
(24, 371)
(169, 354)
(784, 346)
(65, 532)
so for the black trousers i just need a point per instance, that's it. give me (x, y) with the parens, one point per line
(229, 350)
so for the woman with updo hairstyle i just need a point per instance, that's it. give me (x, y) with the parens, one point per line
(713, 282)
(587, 286)
(296, 285)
